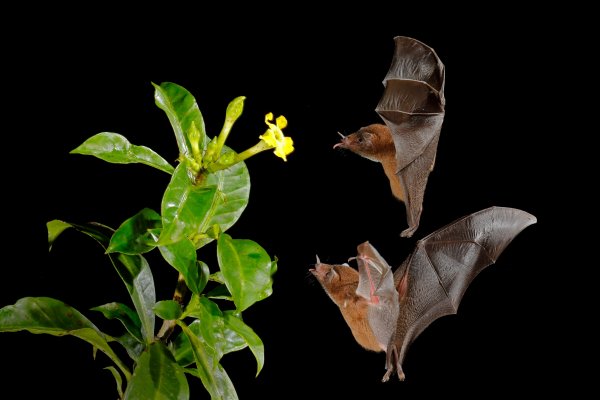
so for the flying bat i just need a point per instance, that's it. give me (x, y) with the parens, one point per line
(412, 107)
(386, 310)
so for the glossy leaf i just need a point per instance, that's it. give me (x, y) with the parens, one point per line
(128, 317)
(100, 233)
(222, 377)
(246, 269)
(118, 380)
(211, 373)
(232, 341)
(134, 236)
(182, 348)
(53, 317)
(181, 109)
(55, 228)
(204, 273)
(184, 207)
(181, 255)
(233, 190)
(236, 331)
(157, 377)
(168, 309)
(212, 323)
(220, 292)
(132, 345)
(133, 270)
(140, 284)
(116, 149)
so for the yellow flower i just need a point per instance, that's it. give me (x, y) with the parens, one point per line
(275, 138)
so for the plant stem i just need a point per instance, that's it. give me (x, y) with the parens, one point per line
(168, 326)
(257, 148)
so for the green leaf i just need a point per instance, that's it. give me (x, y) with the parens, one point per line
(246, 268)
(182, 348)
(55, 228)
(129, 319)
(238, 328)
(204, 273)
(133, 270)
(168, 309)
(118, 379)
(233, 190)
(211, 373)
(181, 109)
(157, 377)
(182, 256)
(132, 345)
(116, 149)
(134, 236)
(225, 384)
(220, 292)
(211, 329)
(184, 207)
(96, 231)
(231, 341)
(53, 317)
(138, 279)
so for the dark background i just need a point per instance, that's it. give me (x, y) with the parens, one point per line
(73, 79)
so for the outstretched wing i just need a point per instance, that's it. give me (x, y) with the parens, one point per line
(439, 271)
(412, 107)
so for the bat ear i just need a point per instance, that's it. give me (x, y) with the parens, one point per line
(318, 260)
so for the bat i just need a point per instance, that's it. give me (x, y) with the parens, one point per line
(386, 310)
(412, 107)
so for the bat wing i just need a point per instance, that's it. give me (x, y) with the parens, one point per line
(432, 281)
(413, 107)
(376, 285)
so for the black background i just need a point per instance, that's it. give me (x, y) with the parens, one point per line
(74, 78)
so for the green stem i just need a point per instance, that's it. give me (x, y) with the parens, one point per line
(257, 148)
(227, 125)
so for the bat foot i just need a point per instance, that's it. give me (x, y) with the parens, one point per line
(408, 232)
(401, 375)
(386, 377)
(389, 372)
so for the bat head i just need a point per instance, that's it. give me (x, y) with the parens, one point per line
(373, 142)
(335, 279)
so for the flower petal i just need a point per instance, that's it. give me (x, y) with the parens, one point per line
(269, 138)
(269, 118)
(281, 122)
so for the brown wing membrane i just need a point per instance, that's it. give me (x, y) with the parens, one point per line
(441, 268)
(412, 107)
(416, 61)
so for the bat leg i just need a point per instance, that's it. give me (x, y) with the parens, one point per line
(392, 364)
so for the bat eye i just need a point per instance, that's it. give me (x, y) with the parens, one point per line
(363, 137)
